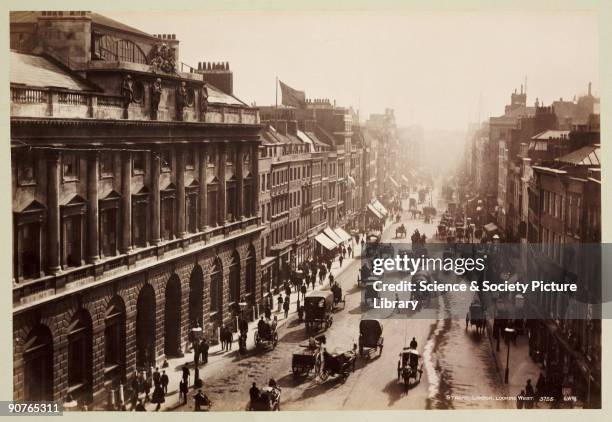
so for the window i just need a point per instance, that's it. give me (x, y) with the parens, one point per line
(268, 182)
(167, 217)
(138, 163)
(191, 208)
(26, 169)
(140, 219)
(72, 244)
(70, 167)
(189, 160)
(232, 204)
(166, 161)
(212, 202)
(79, 353)
(216, 287)
(108, 232)
(234, 278)
(114, 338)
(106, 164)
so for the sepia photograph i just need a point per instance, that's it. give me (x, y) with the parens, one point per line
(203, 202)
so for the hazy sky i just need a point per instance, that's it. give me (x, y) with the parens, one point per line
(430, 67)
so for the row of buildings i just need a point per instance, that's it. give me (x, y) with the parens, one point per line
(536, 176)
(148, 198)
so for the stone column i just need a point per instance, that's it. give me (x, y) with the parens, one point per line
(222, 205)
(155, 197)
(240, 188)
(180, 190)
(126, 205)
(203, 187)
(255, 211)
(93, 221)
(53, 222)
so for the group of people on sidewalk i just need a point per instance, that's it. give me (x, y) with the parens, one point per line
(143, 382)
(545, 392)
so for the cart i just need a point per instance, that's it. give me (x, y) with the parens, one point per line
(409, 367)
(318, 308)
(370, 336)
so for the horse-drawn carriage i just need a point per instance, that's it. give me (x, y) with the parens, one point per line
(369, 294)
(268, 399)
(318, 308)
(266, 334)
(409, 367)
(400, 231)
(370, 336)
(476, 318)
(338, 298)
(309, 359)
(337, 364)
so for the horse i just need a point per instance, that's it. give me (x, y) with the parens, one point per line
(400, 230)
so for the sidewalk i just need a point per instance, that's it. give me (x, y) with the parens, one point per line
(521, 366)
(216, 356)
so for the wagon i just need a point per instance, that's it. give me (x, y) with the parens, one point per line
(409, 367)
(318, 308)
(370, 336)
(476, 318)
(305, 361)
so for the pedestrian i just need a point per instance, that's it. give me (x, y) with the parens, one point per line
(183, 389)
(135, 389)
(222, 336)
(204, 346)
(140, 406)
(350, 251)
(313, 280)
(147, 389)
(321, 276)
(541, 386)
(254, 394)
(304, 289)
(529, 395)
(286, 307)
(156, 377)
(341, 258)
(331, 279)
(287, 290)
(520, 399)
(200, 399)
(467, 320)
(164, 381)
(186, 374)
(279, 301)
(267, 312)
(158, 397)
(413, 343)
(196, 353)
(362, 245)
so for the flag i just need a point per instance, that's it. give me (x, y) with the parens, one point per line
(292, 97)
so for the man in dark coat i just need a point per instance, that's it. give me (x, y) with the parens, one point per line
(164, 381)
(200, 400)
(183, 389)
(186, 374)
(156, 377)
(529, 395)
(204, 346)
(254, 393)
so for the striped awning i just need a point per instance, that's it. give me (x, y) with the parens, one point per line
(325, 241)
(332, 235)
(375, 212)
(380, 208)
(342, 234)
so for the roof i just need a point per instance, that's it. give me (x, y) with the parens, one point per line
(552, 134)
(215, 95)
(316, 140)
(96, 18)
(585, 156)
(38, 71)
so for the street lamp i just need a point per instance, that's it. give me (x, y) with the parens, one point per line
(509, 333)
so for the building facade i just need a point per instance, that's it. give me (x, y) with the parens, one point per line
(134, 191)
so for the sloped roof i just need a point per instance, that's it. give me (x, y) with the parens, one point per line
(316, 140)
(38, 71)
(215, 95)
(585, 156)
(96, 18)
(551, 134)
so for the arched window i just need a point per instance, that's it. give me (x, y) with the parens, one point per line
(145, 327)
(172, 326)
(234, 278)
(196, 296)
(38, 365)
(251, 273)
(216, 287)
(79, 355)
(114, 340)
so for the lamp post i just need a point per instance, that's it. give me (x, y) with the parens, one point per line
(509, 333)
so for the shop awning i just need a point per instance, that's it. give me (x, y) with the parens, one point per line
(325, 241)
(490, 228)
(380, 208)
(392, 180)
(332, 235)
(342, 234)
(375, 212)
(405, 180)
